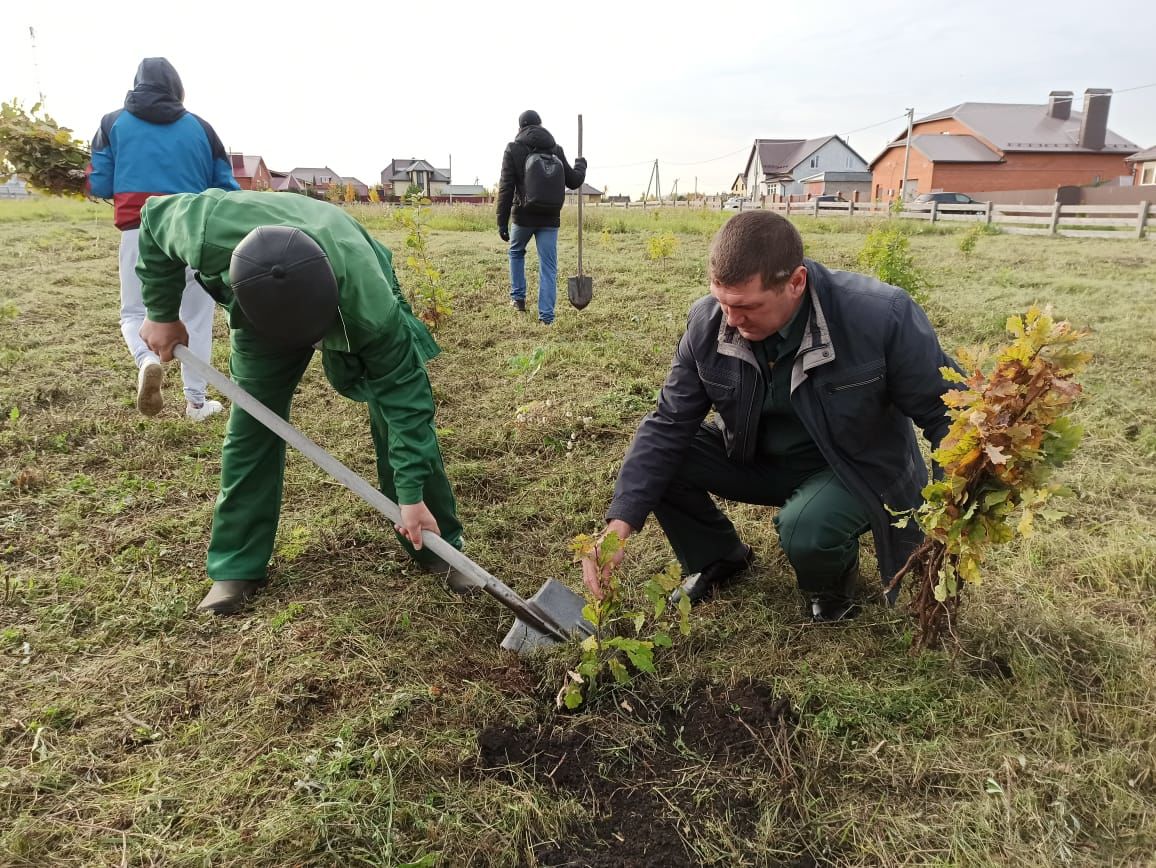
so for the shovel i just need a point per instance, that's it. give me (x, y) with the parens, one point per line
(580, 288)
(552, 615)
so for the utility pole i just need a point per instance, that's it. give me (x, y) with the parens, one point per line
(907, 155)
(657, 184)
(36, 68)
(451, 181)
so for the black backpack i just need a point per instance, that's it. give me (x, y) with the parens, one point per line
(544, 190)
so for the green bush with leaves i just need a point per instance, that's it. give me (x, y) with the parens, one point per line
(887, 254)
(623, 637)
(41, 151)
(660, 246)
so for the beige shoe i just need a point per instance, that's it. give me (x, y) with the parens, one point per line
(230, 596)
(148, 388)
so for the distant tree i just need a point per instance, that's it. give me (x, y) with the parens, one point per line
(350, 194)
(40, 151)
(413, 190)
(374, 196)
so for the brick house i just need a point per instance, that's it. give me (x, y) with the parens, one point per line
(1143, 167)
(777, 167)
(397, 177)
(250, 172)
(1006, 146)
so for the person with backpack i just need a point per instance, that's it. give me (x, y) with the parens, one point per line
(154, 146)
(535, 177)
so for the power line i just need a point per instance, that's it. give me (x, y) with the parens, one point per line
(711, 160)
(872, 126)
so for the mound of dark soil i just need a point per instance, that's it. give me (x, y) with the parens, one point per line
(649, 788)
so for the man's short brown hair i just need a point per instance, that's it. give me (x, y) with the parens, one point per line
(755, 242)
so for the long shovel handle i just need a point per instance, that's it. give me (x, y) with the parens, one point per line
(371, 495)
(580, 186)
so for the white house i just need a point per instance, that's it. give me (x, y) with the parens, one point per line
(397, 177)
(777, 167)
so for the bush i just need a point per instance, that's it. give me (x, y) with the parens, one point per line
(40, 151)
(887, 255)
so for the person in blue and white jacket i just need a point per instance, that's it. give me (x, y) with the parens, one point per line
(152, 147)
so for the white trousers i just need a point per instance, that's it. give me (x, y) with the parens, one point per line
(197, 309)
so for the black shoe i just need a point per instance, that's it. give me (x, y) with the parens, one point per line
(698, 585)
(837, 604)
(543, 322)
(518, 304)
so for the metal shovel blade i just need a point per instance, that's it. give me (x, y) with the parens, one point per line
(580, 290)
(562, 606)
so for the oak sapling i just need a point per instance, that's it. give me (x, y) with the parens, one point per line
(623, 637)
(1010, 429)
(427, 295)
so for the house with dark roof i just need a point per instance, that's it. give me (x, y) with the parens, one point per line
(984, 146)
(360, 189)
(283, 182)
(1143, 167)
(591, 195)
(316, 179)
(251, 172)
(777, 167)
(401, 174)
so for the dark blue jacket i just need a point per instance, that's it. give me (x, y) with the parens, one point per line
(153, 146)
(868, 366)
(511, 184)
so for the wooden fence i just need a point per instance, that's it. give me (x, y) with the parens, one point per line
(1087, 221)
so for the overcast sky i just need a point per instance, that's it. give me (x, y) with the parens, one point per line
(351, 86)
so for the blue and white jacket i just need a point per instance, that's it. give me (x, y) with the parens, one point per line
(153, 146)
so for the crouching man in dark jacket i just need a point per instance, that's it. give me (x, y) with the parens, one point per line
(815, 377)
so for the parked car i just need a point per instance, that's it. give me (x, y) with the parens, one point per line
(734, 203)
(944, 198)
(829, 197)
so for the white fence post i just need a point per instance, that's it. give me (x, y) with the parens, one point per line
(1142, 220)
(987, 213)
(1055, 219)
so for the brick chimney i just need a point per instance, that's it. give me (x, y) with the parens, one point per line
(1094, 126)
(1060, 104)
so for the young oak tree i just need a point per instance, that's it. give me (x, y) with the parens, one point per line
(1010, 430)
(623, 637)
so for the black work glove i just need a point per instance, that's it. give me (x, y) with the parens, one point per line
(503, 233)
(580, 163)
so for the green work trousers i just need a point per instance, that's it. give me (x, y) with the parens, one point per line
(819, 521)
(253, 466)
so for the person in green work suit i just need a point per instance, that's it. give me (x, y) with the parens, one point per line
(296, 274)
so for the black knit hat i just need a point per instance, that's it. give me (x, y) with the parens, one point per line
(529, 118)
(284, 284)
